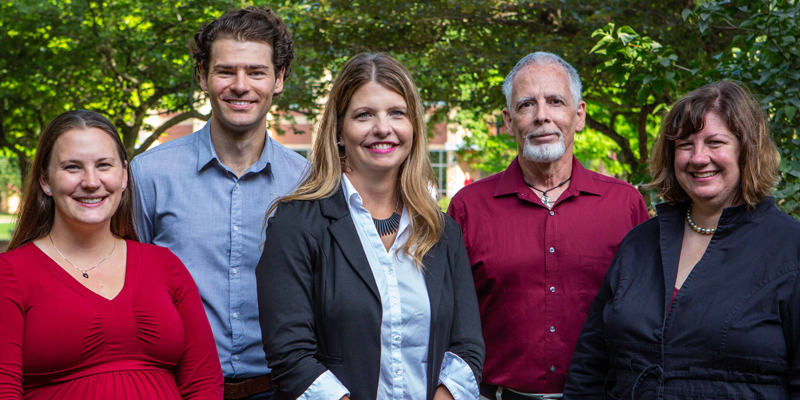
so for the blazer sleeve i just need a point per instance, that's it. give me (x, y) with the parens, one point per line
(590, 364)
(284, 277)
(466, 338)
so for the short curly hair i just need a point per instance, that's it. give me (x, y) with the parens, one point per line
(758, 157)
(251, 24)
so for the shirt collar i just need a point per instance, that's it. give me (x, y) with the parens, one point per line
(354, 201)
(512, 181)
(206, 152)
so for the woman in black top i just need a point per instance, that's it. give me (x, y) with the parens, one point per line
(704, 300)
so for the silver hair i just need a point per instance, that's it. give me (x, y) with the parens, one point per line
(543, 58)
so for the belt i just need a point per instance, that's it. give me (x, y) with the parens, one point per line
(493, 392)
(241, 388)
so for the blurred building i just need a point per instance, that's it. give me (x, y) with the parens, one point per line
(295, 131)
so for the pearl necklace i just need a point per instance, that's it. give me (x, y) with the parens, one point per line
(695, 227)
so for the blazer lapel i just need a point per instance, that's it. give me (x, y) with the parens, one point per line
(344, 232)
(435, 264)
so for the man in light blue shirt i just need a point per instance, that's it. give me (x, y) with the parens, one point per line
(205, 196)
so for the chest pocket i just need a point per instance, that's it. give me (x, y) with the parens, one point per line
(593, 270)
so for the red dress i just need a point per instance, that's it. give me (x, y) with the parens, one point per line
(60, 340)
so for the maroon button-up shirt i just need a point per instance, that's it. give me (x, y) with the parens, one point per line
(537, 270)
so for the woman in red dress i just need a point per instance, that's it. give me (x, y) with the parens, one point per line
(87, 311)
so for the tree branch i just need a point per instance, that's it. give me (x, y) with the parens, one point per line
(169, 124)
(608, 102)
(624, 145)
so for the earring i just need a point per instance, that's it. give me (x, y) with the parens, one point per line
(47, 191)
(123, 187)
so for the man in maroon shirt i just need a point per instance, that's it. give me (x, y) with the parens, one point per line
(540, 235)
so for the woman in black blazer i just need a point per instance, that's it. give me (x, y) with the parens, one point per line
(364, 286)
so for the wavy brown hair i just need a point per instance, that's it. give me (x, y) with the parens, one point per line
(758, 157)
(328, 160)
(37, 210)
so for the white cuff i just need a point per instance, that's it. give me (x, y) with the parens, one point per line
(325, 387)
(457, 377)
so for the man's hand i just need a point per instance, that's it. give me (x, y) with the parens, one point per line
(442, 394)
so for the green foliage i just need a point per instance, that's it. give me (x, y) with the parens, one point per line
(764, 55)
(444, 203)
(483, 149)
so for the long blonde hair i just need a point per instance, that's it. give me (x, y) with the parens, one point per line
(328, 161)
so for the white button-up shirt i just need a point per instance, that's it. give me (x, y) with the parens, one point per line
(406, 322)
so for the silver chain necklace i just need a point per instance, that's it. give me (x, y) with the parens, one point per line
(84, 271)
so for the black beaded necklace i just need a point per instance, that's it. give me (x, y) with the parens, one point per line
(389, 225)
(545, 199)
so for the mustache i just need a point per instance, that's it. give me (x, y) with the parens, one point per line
(542, 132)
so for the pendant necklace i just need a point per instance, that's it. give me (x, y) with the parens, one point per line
(544, 198)
(84, 271)
(389, 225)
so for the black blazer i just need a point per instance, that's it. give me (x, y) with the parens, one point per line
(320, 307)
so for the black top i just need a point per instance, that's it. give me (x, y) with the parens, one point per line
(320, 307)
(734, 327)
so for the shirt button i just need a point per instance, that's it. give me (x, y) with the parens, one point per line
(394, 301)
(553, 368)
(396, 338)
(552, 329)
(236, 316)
(552, 213)
(552, 250)
(235, 357)
(234, 271)
(552, 289)
(399, 372)
(237, 185)
(236, 228)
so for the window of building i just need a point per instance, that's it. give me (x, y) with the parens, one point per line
(439, 164)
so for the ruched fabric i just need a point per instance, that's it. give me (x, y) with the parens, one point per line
(60, 340)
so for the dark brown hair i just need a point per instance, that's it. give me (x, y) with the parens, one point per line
(251, 24)
(758, 157)
(37, 210)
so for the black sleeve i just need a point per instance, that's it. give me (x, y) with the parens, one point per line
(589, 367)
(466, 338)
(284, 278)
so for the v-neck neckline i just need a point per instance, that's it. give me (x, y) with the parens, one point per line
(73, 282)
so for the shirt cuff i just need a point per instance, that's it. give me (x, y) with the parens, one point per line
(457, 377)
(325, 387)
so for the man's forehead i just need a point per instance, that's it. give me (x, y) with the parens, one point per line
(228, 50)
(549, 78)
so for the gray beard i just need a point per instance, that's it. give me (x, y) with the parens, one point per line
(543, 153)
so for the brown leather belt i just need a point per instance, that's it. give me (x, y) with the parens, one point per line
(241, 388)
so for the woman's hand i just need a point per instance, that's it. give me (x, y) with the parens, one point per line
(442, 394)
(345, 398)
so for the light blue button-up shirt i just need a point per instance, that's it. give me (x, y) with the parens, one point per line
(406, 321)
(213, 220)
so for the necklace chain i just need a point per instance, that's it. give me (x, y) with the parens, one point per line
(85, 272)
(695, 227)
(544, 198)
